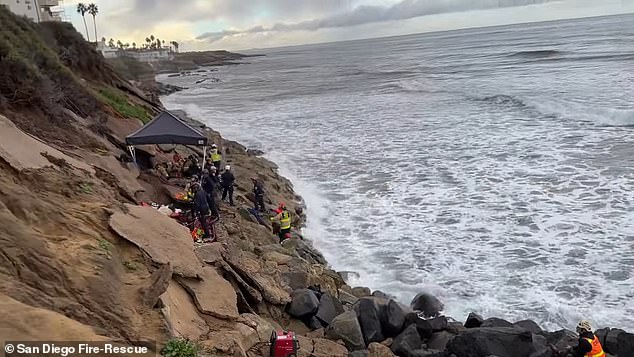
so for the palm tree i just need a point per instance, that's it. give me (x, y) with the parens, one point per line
(93, 10)
(147, 39)
(158, 44)
(175, 44)
(82, 9)
(111, 43)
(134, 45)
(103, 39)
(120, 44)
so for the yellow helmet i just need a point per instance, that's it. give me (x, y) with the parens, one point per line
(584, 325)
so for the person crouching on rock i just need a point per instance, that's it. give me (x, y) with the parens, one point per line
(284, 217)
(589, 345)
(202, 207)
(227, 181)
(258, 191)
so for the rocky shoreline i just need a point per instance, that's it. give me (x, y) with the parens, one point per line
(374, 324)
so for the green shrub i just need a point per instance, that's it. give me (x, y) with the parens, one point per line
(179, 348)
(121, 104)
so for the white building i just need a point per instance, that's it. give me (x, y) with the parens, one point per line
(141, 55)
(106, 51)
(36, 10)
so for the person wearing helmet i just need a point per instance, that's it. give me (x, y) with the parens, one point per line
(284, 219)
(589, 345)
(216, 157)
(258, 191)
(227, 182)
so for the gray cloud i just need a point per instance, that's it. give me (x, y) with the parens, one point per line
(406, 9)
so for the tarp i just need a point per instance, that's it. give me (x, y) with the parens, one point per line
(166, 128)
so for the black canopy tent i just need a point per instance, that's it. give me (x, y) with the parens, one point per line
(166, 128)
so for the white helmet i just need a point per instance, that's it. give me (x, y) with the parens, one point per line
(213, 146)
(228, 167)
(584, 325)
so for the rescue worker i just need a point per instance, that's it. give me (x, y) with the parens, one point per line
(589, 345)
(284, 217)
(227, 181)
(208, 184)
(202, 207)
(258, 191)
(216, 157)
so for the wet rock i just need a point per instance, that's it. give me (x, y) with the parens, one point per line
(562, 339)
(379, 350)
(528, 325)
(313, 323)
(370, 312)
(455, 327)
(428, 304)
(426, 327)
(497, 341)
(380, 294)
(304, 303)
(439, 340)
(601, 335)
(611, 340)
(408, 341)
(361, 291)
(346, 327)
(625, 344)
(329, 308)
(496, 322)
(473, 320)
(428, 353)
(393, 320)
(159, 281)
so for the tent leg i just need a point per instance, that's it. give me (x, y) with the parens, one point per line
(132, 153)
(204, 156)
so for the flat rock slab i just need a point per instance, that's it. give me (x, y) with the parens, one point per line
(161, 237)
(210, 253)
(212, 294)
(181, 314)
(23, 151)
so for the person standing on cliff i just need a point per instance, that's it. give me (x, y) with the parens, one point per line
(208, 184)
(284, 218)
(258, 191)
(589, 345)
(216, 157)
(202, 207)
(227, 182)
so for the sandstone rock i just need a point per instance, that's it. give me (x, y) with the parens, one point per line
(210, 253)
(379, 350)
(528, 325)
(473, 320)
(497, 341)
(428, 304)
(408, 341)
(393, 320)
(370, 313)
(244, 213)
(21, 322)
(162, 238)
(258, 275)
(22, 151)
(279, 258)
(180, 313)
(213, 295)
(319, 333)
(246, 292)
(496, 322)
(159, 281)
(455, 327)
(262, 327)
(347, 298)
(361, 291)
(346, 327)
(625, 344)
(329, 308)
(224, 343)
(304, 303)
(439, 340)
(359, 353)
(319, 347)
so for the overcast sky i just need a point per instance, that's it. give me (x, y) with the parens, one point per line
(244, 24)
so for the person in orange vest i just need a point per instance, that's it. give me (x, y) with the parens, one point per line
(284, 218)
(589, 345)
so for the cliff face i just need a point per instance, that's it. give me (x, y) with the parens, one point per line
(78, 254)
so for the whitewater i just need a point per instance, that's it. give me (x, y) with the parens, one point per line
(493, 167)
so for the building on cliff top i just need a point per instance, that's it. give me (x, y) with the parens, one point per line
(37, 10)
(140, 54)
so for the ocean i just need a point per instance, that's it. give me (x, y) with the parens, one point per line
(493, 167)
